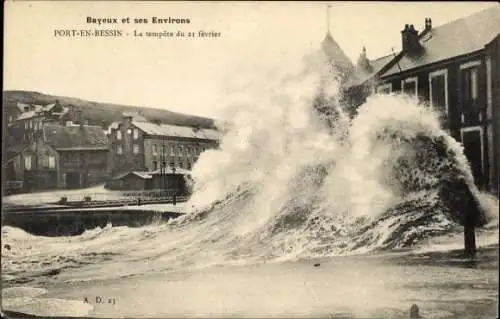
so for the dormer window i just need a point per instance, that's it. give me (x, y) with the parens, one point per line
(118, 134)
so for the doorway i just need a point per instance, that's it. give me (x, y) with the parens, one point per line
(73, 180)
(472, 140)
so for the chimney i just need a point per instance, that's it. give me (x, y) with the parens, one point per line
(410, 42)
(427, 27)
(156, 121)
(428, 24)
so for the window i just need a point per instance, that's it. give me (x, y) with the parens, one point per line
(189, 166)
(196, 150)
(188, 150)
(136, 134)
(438, 91)
(203, 149)
(25, 125)
(129, 131)
(172, 164)
(52, 161)
(181, 165)
(118, 134)
(27, 162)
(164, 164)
(155, 150)
(136, 149)
(10, 118)
(181, 150)
(384, 88)
(409, 86)
(155, 165)
(469, 91)
(172, 150)
(119, 149)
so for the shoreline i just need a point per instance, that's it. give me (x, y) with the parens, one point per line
(339, 287)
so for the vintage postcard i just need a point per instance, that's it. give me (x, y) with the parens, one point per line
(250, 159)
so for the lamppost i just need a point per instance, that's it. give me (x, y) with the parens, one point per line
(36, 126)
(163, 170)
(175, 191)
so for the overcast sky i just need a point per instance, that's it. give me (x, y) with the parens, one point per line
(189, 75)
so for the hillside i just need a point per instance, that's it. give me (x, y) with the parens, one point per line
(96, 112)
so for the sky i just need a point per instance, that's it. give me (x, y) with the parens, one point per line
(191, 75)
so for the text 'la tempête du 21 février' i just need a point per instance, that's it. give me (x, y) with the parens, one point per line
(178, 34)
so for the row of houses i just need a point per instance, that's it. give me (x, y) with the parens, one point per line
(51, 147)
(453, 69)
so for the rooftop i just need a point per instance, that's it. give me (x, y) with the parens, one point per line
(35, 108)
(149, 174)
(177, 131)
(336, 55)
(456, 38)
(84, 137)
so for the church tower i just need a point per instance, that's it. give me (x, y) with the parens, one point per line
(336, 57)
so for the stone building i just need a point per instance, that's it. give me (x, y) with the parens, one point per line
(139, 145)
(71, 156)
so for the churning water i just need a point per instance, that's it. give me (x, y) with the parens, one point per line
(295, 178)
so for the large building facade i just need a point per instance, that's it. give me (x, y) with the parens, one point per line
(454, 69)
(139, 145)
(71, 156)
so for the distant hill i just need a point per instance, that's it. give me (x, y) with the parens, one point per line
(97, 112)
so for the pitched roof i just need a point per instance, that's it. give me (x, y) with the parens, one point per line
(378, 63)
(361, 77)
(13, 150)
(26, 115)
(149, 174)
(459, 37)
(21, 106)
(176, 131)
(113, 126)
(143, 175)
(38, 108)
(336, 55)
(84, 137)
(136, 116)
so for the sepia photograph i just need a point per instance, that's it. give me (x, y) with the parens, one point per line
(250, 159)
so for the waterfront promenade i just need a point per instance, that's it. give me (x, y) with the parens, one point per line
(44, 214)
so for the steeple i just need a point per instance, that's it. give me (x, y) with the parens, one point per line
(333, 52)
(328, 20)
